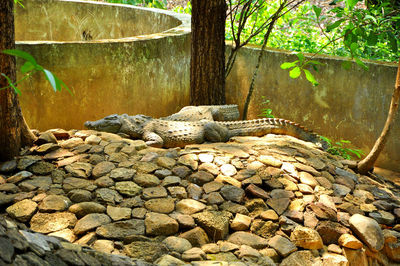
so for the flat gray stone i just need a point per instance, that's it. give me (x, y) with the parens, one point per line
(83, 208)
(109, 196)
(121, 229)
(249, 239)
(128, 188)
(282, 245)
(232, 193)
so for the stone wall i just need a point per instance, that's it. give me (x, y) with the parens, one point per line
(348, 104)
(131, 74)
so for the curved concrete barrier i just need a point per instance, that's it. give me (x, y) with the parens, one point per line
(115, 59)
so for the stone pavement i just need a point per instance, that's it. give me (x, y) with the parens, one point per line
(94, 198)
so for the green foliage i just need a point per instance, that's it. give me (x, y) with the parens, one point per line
(185, 10)
(29, 68)
(19, 2)
(162, 4)
(341, 148)
(266, 112)
(300, 65)
(375, 32)
(354, 32)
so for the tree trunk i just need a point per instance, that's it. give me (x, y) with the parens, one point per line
(14, 133)
(367, 164)
(207, 66)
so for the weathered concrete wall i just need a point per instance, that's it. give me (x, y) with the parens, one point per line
(348, 104)
(146, 74)
(51, 20)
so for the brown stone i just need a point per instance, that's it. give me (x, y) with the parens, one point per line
(282, 245)
(349, 241)
(197, 237)
(160, 224)
(256, 191)
(331, 231)
(279, 205)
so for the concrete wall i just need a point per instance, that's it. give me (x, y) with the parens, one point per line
(146, 74)
(49, 20)
(348, 104)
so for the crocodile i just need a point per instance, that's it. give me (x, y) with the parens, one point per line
(206, 112)
(168, 134)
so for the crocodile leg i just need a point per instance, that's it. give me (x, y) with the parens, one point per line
(153, 139)
(215, 133)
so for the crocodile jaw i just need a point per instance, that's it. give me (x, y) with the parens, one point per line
(111, 124)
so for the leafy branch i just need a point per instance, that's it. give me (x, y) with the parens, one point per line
(341, 148)
(28, 69)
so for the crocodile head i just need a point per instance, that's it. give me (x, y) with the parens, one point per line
(111, 124)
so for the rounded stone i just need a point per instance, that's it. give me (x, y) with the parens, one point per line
(80, 195)
(206, 157)
(228, 170)
(146, 180)
(189, 206)
(269, 215)
(22, 210)
(350, 241)
(52, 222)
(54, 203)
(91, 221)
(166, 162)
(121, 174)
(83, 208)
(308, 179)
(118, 213)
(306, 238)
(102, 168)
(368, 230)
(161, 205)
(160, 224)
(177, 244)
(128, 188)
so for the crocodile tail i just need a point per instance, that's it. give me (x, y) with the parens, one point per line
(261, 127)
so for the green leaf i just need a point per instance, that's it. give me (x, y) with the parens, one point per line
(27, 67)
(21, 54)
(317, 10)
(351, 3)
(158, 4)
(301, 57)
(287, 65)
(295, 73)
(17, 91)
(392, 42)
(314, 62)
(62, 84)
(346, 65)
(361, 63)
(310, 77)
(372, 39)
(51, 79)
(370, 17)
(353, 47)
(334, 25)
